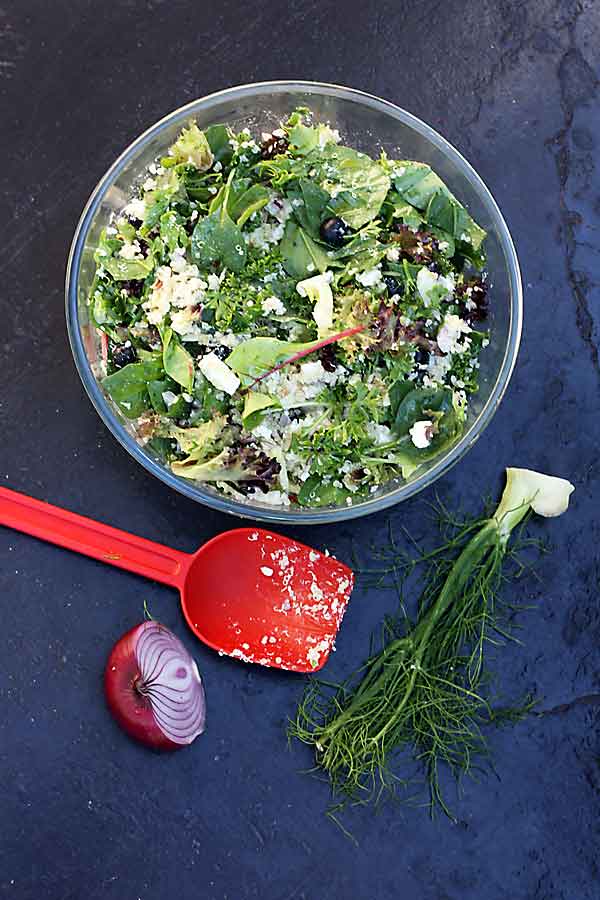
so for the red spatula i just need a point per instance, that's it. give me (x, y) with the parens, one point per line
(251, 594)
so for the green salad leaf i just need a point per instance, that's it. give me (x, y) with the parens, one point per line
(219, 138)
(357, 184)
(302, 256)
(192, 147)
(255, 405)
(128, 269)
(433, 404)
(317, 492)
(309, 206)
(169, 189)
(418, 184)
(172, 230)
(128, 387)
(177, 362)
(261, 354)
(247, 203)
(217, 239)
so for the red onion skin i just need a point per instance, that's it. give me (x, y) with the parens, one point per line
(132, 711)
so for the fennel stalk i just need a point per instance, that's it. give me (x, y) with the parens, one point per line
(422, 692)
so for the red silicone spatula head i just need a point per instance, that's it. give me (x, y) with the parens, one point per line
(266, 599)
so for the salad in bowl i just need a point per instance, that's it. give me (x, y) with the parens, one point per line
(289, 319)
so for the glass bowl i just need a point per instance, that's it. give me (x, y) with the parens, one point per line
(364, 122)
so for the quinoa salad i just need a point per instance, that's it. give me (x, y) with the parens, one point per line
(287, 318)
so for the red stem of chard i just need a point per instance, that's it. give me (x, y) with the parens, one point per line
(317, 345)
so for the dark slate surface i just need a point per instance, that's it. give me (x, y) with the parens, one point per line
(84, 813)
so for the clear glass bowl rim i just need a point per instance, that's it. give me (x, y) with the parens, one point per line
(276, 514)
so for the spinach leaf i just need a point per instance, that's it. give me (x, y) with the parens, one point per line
(254, 406)
(357, 184)
(210, 405)
(216, 238)
(310, 212)
(128, 387)
(177, 362)
(403, 211)
(302, 256)
(315, 492)
(306, 138)
(172, 231)
(397, 393)
(176, 410)
(363, 252)
(248, 202)
(128, 269)
(107, 245)
(168, 190)
(219, 137)
(436, 405)
(421, 187)
(260, 354)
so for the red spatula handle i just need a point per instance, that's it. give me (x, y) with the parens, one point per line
(109, 545)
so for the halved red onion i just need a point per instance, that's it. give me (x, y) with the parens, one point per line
(154, 689)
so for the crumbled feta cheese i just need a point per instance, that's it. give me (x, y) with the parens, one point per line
(273, 304)
(271, 498)
(393, 254)
(450, 333)
(183, 319)
(421, 433)
(265, 235)
(131, 250)
(219, 374)
(169, 398)
(311, 372)
(214, 282)
(437, 369)
(381, 434)
(180, 289)
(280, 208)
(135, 209)
(432, 286)
(370, 278)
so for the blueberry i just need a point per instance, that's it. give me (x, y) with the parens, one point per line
(392, 284)
(123, 356)
(422, 356)
(334, 231)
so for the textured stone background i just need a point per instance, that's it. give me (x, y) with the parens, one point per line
(84, 813)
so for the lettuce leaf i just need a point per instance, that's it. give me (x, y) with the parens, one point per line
(357, 184)
(192, 147)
